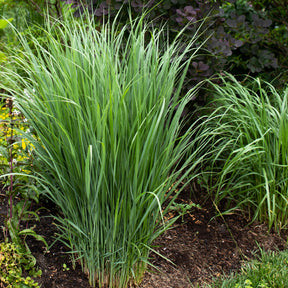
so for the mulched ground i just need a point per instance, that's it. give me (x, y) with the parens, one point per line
(201, 247)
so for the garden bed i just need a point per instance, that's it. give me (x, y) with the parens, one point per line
(201, 249)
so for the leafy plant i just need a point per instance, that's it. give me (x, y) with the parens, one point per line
(248, 163)
(12, 263)
(277, 38)
(249, 28)
(270, 270)
(106, 107)
(183, 208)
(16, 157)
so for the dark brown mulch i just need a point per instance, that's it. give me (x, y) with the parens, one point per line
(200, 248)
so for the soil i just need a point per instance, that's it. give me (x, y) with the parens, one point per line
(200, 245)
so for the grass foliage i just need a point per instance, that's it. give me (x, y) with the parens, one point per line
(106, 105)
(249, 155)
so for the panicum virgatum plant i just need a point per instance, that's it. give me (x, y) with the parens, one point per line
(106, 104)
(249, 155)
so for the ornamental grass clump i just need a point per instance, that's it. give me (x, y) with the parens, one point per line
(249, 156)
(106, 105)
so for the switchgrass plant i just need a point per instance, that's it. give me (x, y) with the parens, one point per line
(269, 270)
(107, 107)
(248, 166)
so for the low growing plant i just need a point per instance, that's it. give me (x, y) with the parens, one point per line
(270, 270)
(107, 107)
(183, 208)
(12, 265)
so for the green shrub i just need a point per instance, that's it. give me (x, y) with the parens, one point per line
(250, 28)
(107, 110)
(277, 38)
(249, 155)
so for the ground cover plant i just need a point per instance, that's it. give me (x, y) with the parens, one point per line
(107, 107)
(269, 270)
(249, 164)
(13, 264)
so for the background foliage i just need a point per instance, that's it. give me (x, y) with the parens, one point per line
(247, 37)
(242, 37)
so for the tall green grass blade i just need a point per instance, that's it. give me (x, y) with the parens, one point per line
(106, 104)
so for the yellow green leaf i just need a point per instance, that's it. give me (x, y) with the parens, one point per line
(4, 22)
(3, 57)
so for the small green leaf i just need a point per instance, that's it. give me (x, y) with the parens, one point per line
(3, 57)
(13, 232)
(32, 233)
(4, 22)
